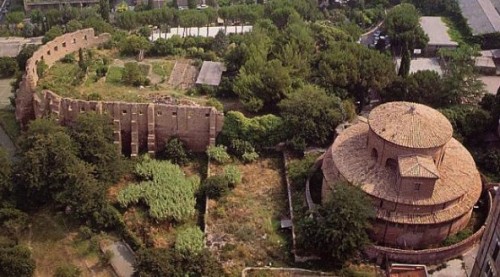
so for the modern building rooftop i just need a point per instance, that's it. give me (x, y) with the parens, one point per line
(210, 73)
(410, 125)
(420, 64)
(437, 31)
(482, 15)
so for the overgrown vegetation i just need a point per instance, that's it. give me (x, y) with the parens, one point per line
(164, 188)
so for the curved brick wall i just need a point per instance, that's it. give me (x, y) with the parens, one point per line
(138, 127)
(427, 256)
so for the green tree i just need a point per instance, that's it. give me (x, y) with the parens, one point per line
(404, 67)
(5, 174)
(14, 17)
(133, 44)
(403, 27)
(175, 151)
(8, 67)
(469, 122)
(47, 156)
(312, 115)
(354, 68)
(104, 9)
(13, 222)
(73, 25)
(93, 135)
(460, 75)
(16, 261)
(52, 33)
(338, 228)
(25, 53)
(133, 75)
(262, 84)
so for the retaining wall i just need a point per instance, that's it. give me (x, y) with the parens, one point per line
(426, 256)
(138, 127)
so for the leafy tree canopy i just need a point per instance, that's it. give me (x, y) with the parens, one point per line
(312, 115)
(338, 228)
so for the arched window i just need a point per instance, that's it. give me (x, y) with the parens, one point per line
(374, 153)
(391, 163)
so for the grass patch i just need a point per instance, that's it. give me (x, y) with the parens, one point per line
(9, 123)
(249, 218)
(59, 78)
(454, 33)
(163, 69)
(114, 75)
(54, 241)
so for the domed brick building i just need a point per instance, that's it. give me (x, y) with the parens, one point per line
(423, 183)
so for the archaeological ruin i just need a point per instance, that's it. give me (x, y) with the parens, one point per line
(423, 183)
(138, 127)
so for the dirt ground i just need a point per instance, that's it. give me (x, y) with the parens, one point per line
(54, 242)
(243, 228)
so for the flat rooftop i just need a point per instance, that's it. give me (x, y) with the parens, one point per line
(437, 31)
(482, 15)
(420, 64)
(210, 73)
(11, 46)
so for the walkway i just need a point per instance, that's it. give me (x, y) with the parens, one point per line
(123, 258)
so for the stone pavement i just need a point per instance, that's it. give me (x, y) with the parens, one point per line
(123, 258)
(459, 267)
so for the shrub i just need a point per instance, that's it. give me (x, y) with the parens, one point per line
(458, 237)
(85, 232)
(8, 67)
(94, 96)
(67, 270)
(175, 151)
(299, 170)
(232, 174)
(243, 150)
(69, 58)
(218, 153)
(41, 68)
(250, 157)
(212, 102)
(189, 240)
(133, 75)
(216, 186)
(261, 131)
(101, 71)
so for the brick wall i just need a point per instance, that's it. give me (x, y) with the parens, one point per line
(138, 127)
(426, 256)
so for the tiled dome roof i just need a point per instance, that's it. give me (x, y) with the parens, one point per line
(410, 125)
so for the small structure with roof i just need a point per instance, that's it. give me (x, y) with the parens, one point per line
(407, 270)
(422, 182)
(210, 73)
(482, 15)
(437, 31)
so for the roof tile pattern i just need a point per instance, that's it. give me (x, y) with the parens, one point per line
(459, 179)
(410, 125)
(417, 166)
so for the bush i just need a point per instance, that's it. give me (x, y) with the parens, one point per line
(458, 237)
(175, 151)
(189, 240)
(232, 174)
(69, 58)
(85, 232)
(218, 153)
(212, 102)
(8, 67)
(216, 186)
(133, 75)
(67, 270)
(262, 131)
(299, 170)
(41, 68)
(243, 150)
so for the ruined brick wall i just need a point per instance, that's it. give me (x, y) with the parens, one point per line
(138, 127)
(50, 53)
